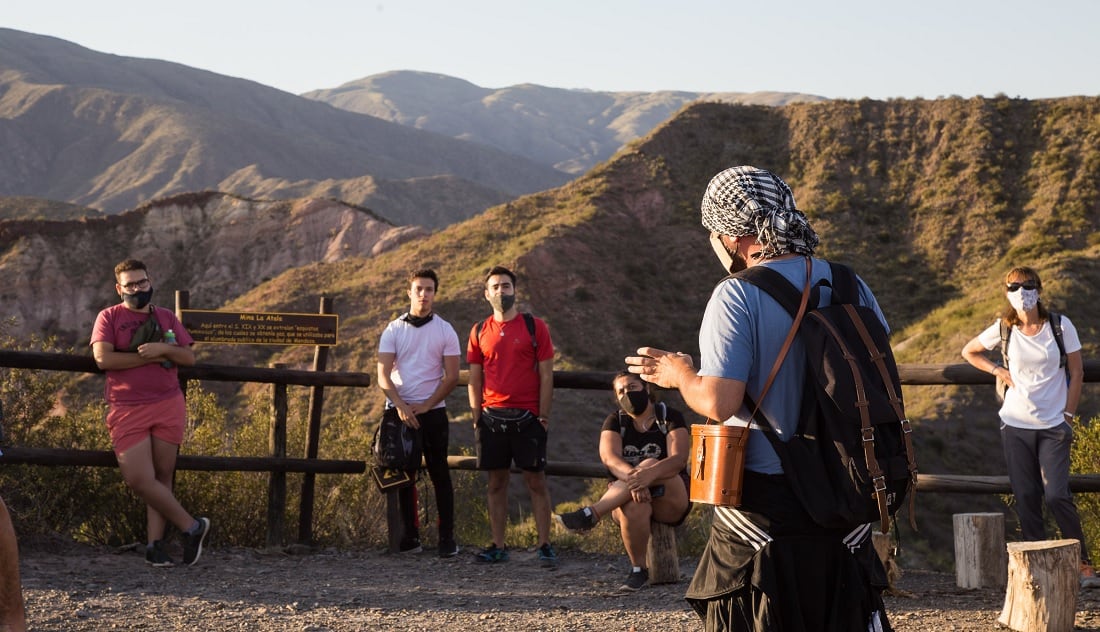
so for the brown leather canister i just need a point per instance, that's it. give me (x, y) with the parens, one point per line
(717, 463)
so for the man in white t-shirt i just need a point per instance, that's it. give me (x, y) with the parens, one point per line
(418, 358)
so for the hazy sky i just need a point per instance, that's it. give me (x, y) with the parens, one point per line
(840, 49)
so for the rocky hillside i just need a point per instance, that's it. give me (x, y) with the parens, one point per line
(112, 132)
(571, 130)
(57, 275)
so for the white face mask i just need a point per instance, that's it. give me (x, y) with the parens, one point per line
(1023, 300)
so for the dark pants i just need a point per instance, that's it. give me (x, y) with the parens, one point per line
(435, 433)
(1038, 469)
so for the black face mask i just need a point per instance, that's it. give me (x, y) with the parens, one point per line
(634, 402)
(417, 321)
(502, 302)
(138, 300)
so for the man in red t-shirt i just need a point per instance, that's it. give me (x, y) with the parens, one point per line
(511, 384)
(147, 414)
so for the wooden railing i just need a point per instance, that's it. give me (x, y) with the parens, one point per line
(278, 464)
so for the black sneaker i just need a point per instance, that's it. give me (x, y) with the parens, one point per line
(448, 548)
(635, 581)
(155, 555)
(410, 546)
(192, 542)
(548, 556)
(492, 555)
(579, 520)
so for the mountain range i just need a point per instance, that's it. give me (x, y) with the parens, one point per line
(571, 130)
(112, 132)
(108, 133)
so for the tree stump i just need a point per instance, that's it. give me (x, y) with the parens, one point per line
(1042, 586)
(980, 557)
(661, 554)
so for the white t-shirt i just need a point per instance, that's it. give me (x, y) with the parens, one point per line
(419, 353)
(1038, 400)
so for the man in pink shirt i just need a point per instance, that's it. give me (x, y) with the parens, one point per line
(147, 413)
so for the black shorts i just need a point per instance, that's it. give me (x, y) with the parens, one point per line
(507, 435)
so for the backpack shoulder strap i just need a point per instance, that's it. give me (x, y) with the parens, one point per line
(662, 417)
(1006, 331)
(1056, 327)
(529, 320)
(844, 284)
(478, 326)
(775, 284)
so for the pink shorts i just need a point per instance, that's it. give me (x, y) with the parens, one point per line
(129, 425)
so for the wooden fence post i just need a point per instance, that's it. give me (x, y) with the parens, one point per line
(394, 526)
(980, 557)
(661, 554)
(276, 486)
(313, 437)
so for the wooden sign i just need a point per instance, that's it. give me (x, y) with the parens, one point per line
(260, 328)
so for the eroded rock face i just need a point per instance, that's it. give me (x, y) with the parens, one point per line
(55, 276)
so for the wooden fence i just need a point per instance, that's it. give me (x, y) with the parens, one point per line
(278, 464)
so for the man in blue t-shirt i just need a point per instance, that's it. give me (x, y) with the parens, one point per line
(767, 566)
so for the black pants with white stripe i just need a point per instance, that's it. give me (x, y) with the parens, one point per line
(769, 567)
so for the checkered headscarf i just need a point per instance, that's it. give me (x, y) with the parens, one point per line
(749, 201)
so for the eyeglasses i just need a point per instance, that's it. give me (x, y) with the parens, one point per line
(136, 285)
(1027, 285)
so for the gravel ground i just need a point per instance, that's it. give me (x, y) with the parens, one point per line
(75, 588)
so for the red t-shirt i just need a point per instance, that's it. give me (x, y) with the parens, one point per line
(509, 361)
(147, 383)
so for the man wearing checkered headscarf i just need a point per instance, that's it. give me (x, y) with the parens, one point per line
(743, 201)
(768, 566)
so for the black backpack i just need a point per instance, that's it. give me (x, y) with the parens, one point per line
(851, 459)
(396, 446)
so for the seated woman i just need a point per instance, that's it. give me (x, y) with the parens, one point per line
(645, 446)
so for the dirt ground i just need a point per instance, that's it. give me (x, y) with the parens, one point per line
(72, 588)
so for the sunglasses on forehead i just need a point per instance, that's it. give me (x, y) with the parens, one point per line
(1027, 285)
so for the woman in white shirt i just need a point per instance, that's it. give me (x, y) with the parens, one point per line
(1044, 388)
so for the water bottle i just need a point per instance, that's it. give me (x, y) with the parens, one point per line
(169, 338)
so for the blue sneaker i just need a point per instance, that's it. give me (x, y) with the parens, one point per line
(548, 556)
(492, 555)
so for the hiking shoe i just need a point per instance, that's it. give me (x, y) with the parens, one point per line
(155, 555)
(492, 555)
(579, 520)
(548, 556)
(1088, 577)
(635, 581)
(448, 548)
(410, 546)
(192, 542)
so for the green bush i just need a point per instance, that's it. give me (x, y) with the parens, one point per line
(1085, 459)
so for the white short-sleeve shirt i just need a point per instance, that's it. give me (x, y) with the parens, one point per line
(1038, 399)
(418, 356)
